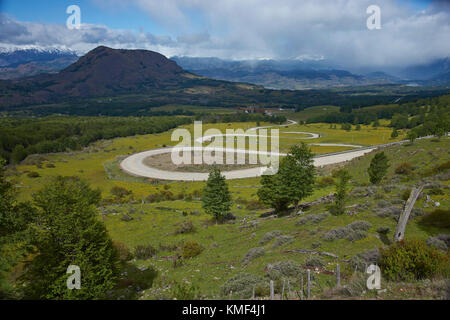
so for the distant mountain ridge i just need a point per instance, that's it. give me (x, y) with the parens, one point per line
(29, 62)
(283, 74)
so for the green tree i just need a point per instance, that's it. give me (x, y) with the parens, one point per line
(15, 218)
(298, 173)
(216, 197)
(358, 127)
(340, 198)
(271, 192)
(378, 167)
(412, 135)
(394, 133)
(69, 232)
(293, 182)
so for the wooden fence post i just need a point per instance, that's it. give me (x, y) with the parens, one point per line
(271, 290)
(338, 275)
(301, 290)
(308, 286)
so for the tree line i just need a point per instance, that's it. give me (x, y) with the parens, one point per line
(22, 137)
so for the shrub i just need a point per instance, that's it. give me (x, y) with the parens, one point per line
(314, 218)
(404, 168)
(190, 249)
(391, 211)
(362, 260)
(144, 252)
(126, 217)
(184, 291)
(281, 240)
(123, 251)
(441, 168)
(33, 174)
(269, 236)
(184, 227)
(437, 243)
(242, 286)
(252, 254)
(315, 262)
(435, 192)
(439, 218)
(285, 269)
(120, 192)
(383, 230)
(352, 232)
(412, 259)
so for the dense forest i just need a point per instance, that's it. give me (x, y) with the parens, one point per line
(22, 137)
(426, 116)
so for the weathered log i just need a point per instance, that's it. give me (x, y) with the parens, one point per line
(323, 253)
(403, 219)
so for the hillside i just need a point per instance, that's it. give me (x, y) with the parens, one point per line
(231, 249)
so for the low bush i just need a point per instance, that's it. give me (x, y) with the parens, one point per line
(184, 227)
(352, 232)
(435, 192)
(123, 251)
(33, 174)
(144, 252)
(315, 262)
(282, 240)
(404, 168)
(269, 236)
(437, 243)
(125, 217)
(252, 254)
(120, 192)
(439, 218)
(412, 259)
(242, 285)
(285, 269)
(440, 168)
(184, 291)
(314, 218)
(383, 230)
(364, 259)
(190, 249)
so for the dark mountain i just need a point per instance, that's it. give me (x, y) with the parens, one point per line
(283, 74)
(101, 72)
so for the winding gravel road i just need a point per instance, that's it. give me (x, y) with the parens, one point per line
(134, 164)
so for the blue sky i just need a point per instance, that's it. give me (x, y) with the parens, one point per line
(120, 17)
(413, 31)
(51, 11)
